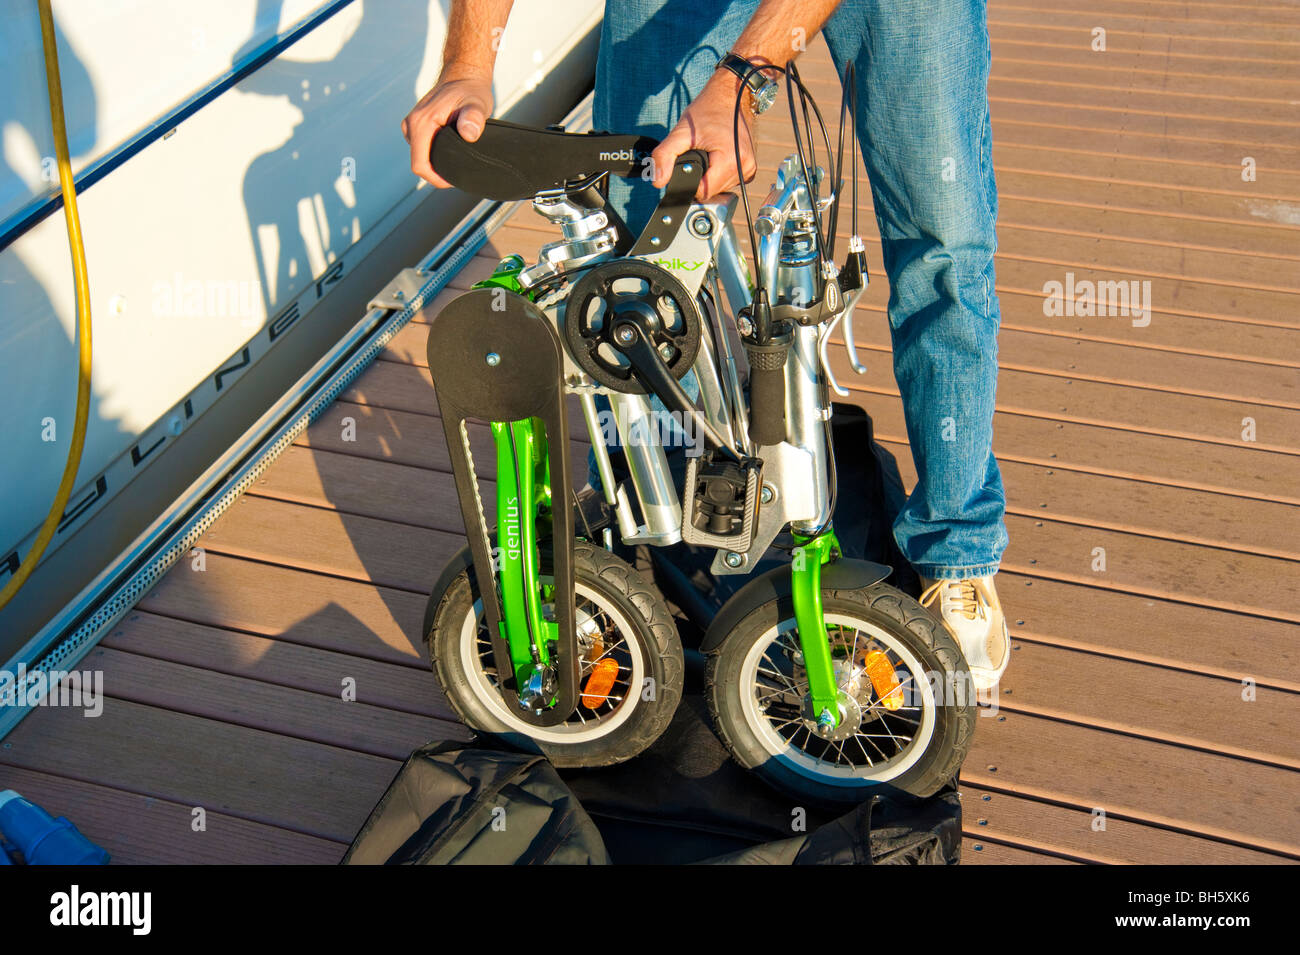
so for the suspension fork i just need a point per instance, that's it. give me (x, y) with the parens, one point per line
(814, 642)
(523, 510)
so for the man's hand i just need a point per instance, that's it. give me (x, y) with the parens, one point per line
(462, 95)
(707, 125)
(707, 122)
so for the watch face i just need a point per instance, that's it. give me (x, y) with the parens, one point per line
(764, 97)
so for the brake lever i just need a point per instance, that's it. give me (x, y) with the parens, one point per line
(849, 345)
(835, 386)
(854, 275)
(855, 267)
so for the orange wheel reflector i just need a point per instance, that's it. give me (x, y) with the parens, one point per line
(883, 681)
(600, 683)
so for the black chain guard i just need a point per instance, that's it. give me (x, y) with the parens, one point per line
(525, 381)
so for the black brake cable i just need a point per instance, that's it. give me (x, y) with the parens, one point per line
(833, 226)
(851, 85)
(791, 78)
(740, 172)
(849, 95)
(825, 245)
(793, 82)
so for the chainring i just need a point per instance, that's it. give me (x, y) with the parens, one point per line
(630, 284)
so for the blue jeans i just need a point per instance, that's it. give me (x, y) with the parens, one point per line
(923, 125)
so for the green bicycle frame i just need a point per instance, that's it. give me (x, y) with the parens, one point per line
(814, 641)
(523, 503)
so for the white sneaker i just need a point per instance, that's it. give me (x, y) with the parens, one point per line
(972, 613)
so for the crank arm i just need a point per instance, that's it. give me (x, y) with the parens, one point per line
(648, 365)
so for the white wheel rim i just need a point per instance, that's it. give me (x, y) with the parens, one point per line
(787, 753)
(584, 729)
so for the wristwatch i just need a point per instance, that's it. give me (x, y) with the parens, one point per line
(762, 86)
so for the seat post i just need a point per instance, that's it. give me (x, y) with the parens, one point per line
(590, 228)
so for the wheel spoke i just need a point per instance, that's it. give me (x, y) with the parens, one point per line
(870, 761)
(779, 695)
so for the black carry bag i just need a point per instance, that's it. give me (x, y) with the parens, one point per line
(871, 495)
(466, 804)
(682, 801)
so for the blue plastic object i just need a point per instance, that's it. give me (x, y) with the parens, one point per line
(42, 839)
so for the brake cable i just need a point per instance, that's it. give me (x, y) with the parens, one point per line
(825, 242)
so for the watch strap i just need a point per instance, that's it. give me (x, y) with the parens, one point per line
(744, 70)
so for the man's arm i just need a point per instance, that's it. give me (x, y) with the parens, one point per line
(464, 88)
(706, 124)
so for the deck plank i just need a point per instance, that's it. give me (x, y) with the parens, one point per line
(1225, 12)
(1142, 507)
(255, 775)
(407, 688)
(1209, 794)
(982, 852)
(331, 718)
(1178, 461)
(374, 623)
(363, 549)
(1167, 570)
(1104, 75)
(1078, 834)
(410, 437)
(1264, 39)
(1173, 706)
(137, 829)
(1135, 627)
(369, 487)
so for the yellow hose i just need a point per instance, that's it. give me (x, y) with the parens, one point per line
(57, 124)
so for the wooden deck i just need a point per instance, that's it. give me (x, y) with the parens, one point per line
(1125, 691)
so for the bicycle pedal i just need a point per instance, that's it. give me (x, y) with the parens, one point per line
(720, 504)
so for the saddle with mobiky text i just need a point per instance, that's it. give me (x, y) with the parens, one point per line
(822, 678)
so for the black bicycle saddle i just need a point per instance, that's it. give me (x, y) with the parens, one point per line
(509, 161)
